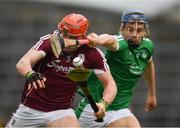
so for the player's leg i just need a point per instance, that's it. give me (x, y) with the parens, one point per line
(68, 121)
(122, 118)
(62, 118)
(125, 122)
(26, 117)
(87, 118)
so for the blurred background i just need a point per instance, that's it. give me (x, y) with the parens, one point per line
(23, 22)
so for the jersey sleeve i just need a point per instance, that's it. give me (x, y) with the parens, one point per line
(149, 46)
(43, 45)
(98, 61)
(122, 43)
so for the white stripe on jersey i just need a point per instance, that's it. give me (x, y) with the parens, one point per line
(98, 71)
(118, 38)
(104, 59)
(39, 43)
(27, 95)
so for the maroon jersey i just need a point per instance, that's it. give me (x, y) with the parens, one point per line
(59, 90)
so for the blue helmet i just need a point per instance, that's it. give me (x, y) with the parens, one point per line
(133, 14)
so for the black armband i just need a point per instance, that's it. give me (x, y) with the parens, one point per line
(33, 76)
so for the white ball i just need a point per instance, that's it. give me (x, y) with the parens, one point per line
(77, 62)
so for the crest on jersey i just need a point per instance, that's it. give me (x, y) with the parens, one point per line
(82, 56)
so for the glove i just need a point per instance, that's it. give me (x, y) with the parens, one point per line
(34, 79)
(33, 76)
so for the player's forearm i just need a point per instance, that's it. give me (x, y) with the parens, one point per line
(23, 67)
(26, 63)
(150, 78)
(110, 92)
(108, 41)
(105, 40)
(110, 89)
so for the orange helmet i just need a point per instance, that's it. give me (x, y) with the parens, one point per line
(74, 25)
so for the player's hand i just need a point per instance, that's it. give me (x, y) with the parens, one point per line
(151, 103)
(75, 42)
(92, 37)
(35, 80)
(101, 110)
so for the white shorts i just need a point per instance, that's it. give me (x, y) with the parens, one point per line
(87, 118)
(27, 117)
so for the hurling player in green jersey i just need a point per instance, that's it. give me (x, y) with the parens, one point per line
(129, 55)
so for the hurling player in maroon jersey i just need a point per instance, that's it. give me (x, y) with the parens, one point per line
(48, 94)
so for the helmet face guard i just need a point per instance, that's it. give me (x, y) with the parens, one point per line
(135, 15)
(74, 26)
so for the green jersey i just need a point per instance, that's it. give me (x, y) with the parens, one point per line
(126, 64)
